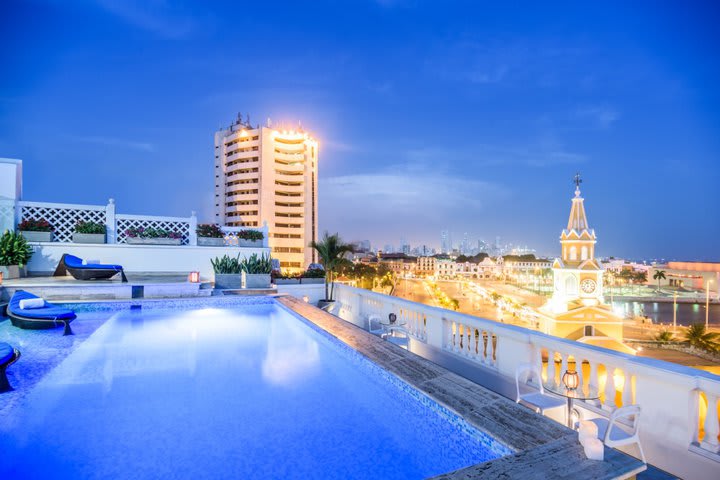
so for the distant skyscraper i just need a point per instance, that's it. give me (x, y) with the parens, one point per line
(445, 241)
(404, 246)
(267, 175)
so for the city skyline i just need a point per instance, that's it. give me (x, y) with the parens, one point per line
(472, 118)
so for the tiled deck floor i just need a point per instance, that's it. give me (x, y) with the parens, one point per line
(545, 449)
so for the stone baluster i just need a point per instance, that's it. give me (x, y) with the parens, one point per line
(449, 341)
(712, 429)
(490, 349)
(593, 380)
(609, 387)
(579, 370)
(627, 396)
(551, 366)
(563, 364)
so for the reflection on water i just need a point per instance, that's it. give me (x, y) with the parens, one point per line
(661, 312)
(292, 356)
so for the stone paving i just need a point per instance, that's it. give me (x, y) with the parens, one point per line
(544, 448)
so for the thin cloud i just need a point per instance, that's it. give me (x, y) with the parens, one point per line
(115, 142)
(599, 116)
(545, 154)
(157, 16)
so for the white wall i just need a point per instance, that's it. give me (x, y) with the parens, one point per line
(314, 292)
(137, 258)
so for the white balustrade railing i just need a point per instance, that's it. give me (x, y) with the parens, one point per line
(64, 217)
(679, 404)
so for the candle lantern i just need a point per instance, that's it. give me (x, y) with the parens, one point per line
(194, 277)
(571, 379)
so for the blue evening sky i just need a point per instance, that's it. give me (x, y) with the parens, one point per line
(470, 116)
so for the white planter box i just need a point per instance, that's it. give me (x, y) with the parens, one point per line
(153, 241)
(210, 242)
(232, 281)
(312, 281)
(255, 280)
(286, 281)
(250, 243)
(11, 272)
(37, 236)
(88, 237)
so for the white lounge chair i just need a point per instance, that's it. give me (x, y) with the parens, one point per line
(616, 434)
(534, 394)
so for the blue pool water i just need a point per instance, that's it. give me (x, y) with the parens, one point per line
(247, 392)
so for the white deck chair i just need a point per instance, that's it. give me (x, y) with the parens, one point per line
(616, 434)
(536, 397)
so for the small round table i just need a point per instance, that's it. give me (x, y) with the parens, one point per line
(580, 393)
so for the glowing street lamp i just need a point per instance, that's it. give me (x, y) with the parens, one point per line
(707, 303)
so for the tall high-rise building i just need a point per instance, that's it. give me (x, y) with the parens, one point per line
(268, 175)
(445, 241)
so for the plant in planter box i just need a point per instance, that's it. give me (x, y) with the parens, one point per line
(89, 232)
(250, 238)
(210, 234)
(228, 272)
(15, 253)
(256, 271)
(153, 236)
(313, 275)
(38, 230)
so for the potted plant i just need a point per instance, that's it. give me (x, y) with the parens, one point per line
(228, 272)
(284, 279)
(15, 253)
(250, 238)
(315, 274)
(331, 251)
(210, 235)
(152, 236)
(256, 271)
(36, 230)
(89, 232)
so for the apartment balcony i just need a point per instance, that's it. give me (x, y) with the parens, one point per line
(290, 188)
(236, 175)
(290, 157)
(231, 196)
(289, 230)
(291, 210)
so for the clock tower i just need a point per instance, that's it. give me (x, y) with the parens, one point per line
(577, 309)
(577, 275)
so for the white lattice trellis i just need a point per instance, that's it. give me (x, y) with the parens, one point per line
(62, 217)
(124, 222)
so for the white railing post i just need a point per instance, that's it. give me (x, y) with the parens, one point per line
(710, 441)
(192, 235)
(609, 402)
(110, 224)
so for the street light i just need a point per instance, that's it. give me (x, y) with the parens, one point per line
(707, 303)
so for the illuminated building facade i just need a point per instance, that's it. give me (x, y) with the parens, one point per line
(268, 175)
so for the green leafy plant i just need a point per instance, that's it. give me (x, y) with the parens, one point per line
(697, 336)
(235, 265)
(250, 235)
(665, 336)
(227, 265)
(209, 230)
(255, 264)
(141, 232)
(89, 227)
(314, 273)
(14, 249)
(659, 275)
(331, 251)
(40, 225)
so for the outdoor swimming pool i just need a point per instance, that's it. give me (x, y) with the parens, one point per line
(243, 392)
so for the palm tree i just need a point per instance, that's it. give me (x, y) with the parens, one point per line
(664, 336)
(454, 303)
(331, 251)
(697, 336)
(659, 275)
(388, 280)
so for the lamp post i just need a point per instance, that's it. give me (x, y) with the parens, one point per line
(674, 312)
(707, 303)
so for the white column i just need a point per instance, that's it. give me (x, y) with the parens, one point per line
(551, 366)
(627, 389)
(110, 223)
(192, 235)
(609, 387)
(710, 442)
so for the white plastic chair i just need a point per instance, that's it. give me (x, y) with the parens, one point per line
(616, 434)
(390, 335)
(536, 398)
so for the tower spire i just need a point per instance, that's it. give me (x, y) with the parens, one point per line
(578, 219)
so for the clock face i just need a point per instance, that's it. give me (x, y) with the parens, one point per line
(588, 285)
